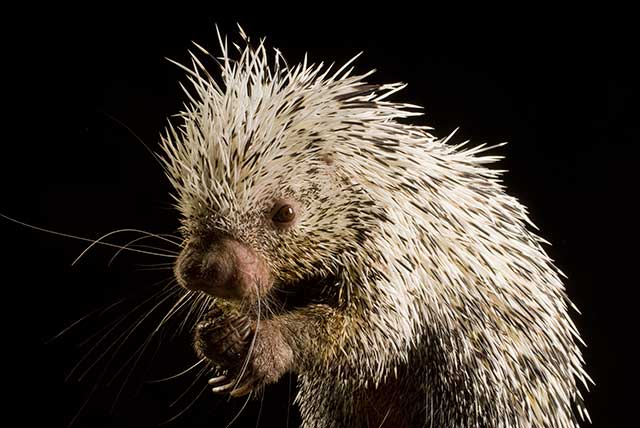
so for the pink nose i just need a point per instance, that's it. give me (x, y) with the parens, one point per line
(208, 268)
(226, 269)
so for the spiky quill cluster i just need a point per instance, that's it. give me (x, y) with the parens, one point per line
(439, 282)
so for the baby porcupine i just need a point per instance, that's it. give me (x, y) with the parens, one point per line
(385, 267)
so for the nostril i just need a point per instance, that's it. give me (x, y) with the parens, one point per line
(188, 269)
(192, 276)
(192, 272)
(217, 268)
(210, 271)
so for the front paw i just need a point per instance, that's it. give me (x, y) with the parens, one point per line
(223, 338)
(248, 354)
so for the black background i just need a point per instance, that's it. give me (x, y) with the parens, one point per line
(560, 86)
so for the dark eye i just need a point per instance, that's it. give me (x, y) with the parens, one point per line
(284, 215)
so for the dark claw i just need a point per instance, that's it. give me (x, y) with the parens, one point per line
(246, 387)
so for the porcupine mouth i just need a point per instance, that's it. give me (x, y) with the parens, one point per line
(287, 297)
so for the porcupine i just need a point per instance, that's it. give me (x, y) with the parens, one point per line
(387, 268)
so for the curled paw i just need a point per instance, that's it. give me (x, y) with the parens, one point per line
(247, 355)
(223, 338)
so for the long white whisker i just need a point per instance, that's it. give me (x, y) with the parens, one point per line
(165, 289)
(80, 238)
(175, 308)
(116, 323)
(186, 408)
(66, 329)
(130, 245)
(179, 374)
(253, 341)
(139, 322)
(240, 411)
(155, 264)
(97, 383)
(121, 123)
(198, 308)
(195, 297)
(106, 235)
(93, 390)
(385, 418)
(204, 306)
(139, 352)
(260, 410)
(156, 269)
(120, 337)
(199, 375)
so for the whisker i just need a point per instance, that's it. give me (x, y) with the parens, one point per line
(175, 308)
(133, 241)
(93, 390)
(139, 352)
(152, 247)
(204, 306)
(80, 238)
(151, 361)
(66, 329)
(260, 410)
(122, 341)
(195, 297)
(240, 411)
(179, 374)
(106, 235)
(113, 343)
(199, 308)
(94, 347)
(253, 341)
(385, 418)
(186, 408)
(101, 332)
(155, 264)
(118, 321)
(121, 123)
(202, 372)
(156, 269)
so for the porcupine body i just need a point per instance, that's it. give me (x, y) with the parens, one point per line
(423, 299)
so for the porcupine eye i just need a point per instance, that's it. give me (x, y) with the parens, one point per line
(283, 215)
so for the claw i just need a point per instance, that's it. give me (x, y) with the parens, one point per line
(224, 339)
(245, 330)
(218, 379)
(243, 389)
(224, 388)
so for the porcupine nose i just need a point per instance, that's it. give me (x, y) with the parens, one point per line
(210, 269)
(222, 267)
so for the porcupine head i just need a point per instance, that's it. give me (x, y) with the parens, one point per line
(432, 301)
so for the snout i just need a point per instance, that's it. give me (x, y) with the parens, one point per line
(222, 268)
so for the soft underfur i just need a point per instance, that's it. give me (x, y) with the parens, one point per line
(443, 309)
